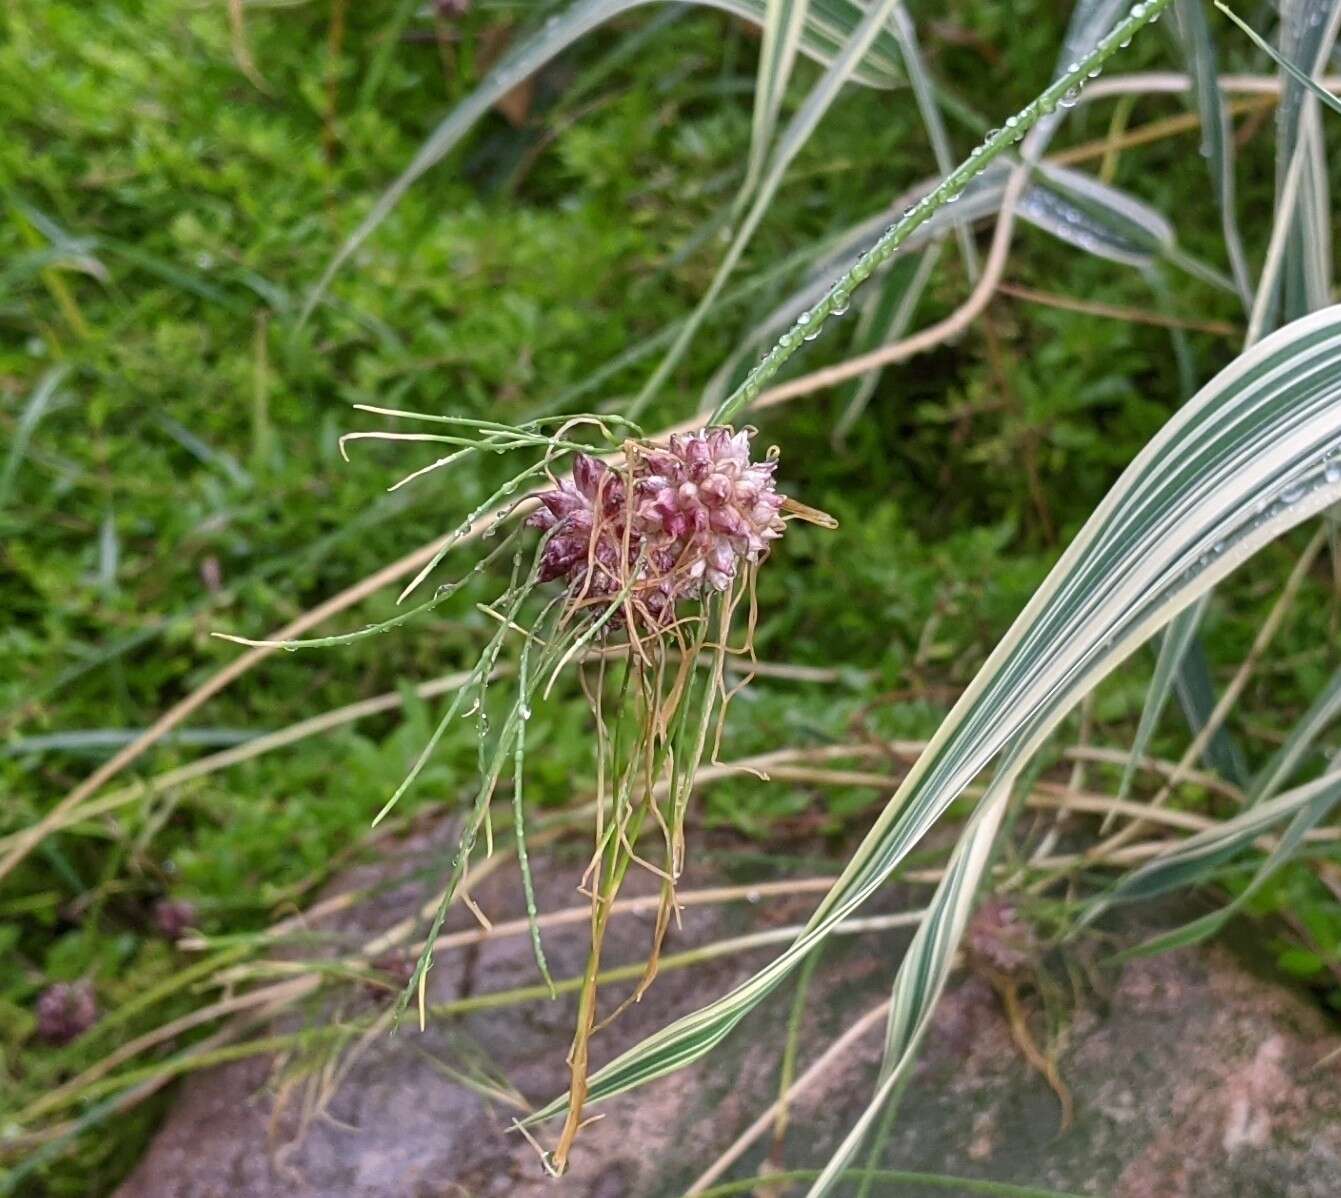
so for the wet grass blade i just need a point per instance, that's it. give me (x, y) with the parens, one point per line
(1199, 54)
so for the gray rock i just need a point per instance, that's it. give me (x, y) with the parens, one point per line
(1194, 1079)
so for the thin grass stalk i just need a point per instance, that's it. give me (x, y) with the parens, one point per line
(807, 325)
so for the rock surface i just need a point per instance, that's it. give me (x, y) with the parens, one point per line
(1191, 1079)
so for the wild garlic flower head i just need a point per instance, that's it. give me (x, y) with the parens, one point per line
(673, 522)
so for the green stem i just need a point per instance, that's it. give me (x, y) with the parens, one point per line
(836, 300)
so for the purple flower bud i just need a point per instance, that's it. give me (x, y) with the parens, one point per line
(999, 938)
(65, 1011)
(173, 916)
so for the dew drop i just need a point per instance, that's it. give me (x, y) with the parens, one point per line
(1291, 492)
(839, 302)
(1137, 11)
(1333, 472)
(1122, 45)
(524, 711)
(1071, 98)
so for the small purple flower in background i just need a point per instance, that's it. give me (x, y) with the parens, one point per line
(65, 1011)
(173, 916)
(699, 507)
(998, 938)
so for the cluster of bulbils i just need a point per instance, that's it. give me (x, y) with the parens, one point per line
(671, 523)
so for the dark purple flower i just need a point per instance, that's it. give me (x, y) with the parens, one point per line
(587, 516)
(65, 1011)
(997, 937)
(173, 916)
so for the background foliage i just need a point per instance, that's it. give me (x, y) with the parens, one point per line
(177, 177)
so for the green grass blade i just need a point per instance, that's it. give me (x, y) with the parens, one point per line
(1197, 859)
(46, 390)
(882, 321)
(784, 21)
(1322, 711)
(1193, 32)
(924, 92)
(790, 143)
(1174, 645)
(1196, 696)
(1041, 113)
(1304, 80)
(1297, 271)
